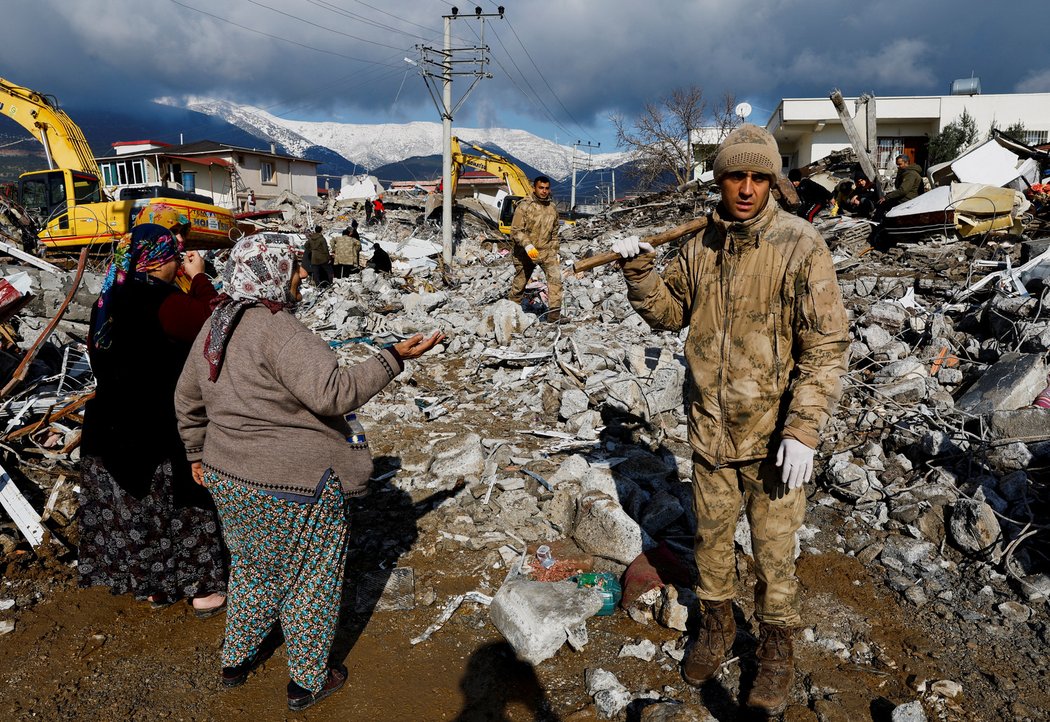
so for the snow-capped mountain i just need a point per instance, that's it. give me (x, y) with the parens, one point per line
(372, 146)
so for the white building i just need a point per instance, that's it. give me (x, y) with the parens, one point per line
(808, 129)
(224, 173)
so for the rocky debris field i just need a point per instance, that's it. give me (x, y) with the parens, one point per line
(922, 559)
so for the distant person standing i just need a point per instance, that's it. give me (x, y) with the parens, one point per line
(346, 251)
(251, 201)
(378, 210)
(320, 257)
(534, 233)
(368, 211)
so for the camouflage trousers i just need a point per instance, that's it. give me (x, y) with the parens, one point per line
(549, 261)
(775, 515)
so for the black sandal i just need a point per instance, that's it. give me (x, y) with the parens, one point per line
(299, 698)
(236, 676)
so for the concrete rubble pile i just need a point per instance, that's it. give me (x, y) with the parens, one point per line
(933, 470)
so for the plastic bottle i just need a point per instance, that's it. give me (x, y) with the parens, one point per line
(544, 556)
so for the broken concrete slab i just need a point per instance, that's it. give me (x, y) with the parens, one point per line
(603, 528)
(461, 457)
(535, 617)
(974, 527)
(610, 697)
(1031, 424)
(1010, 384)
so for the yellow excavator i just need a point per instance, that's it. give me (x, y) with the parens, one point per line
(517, 182)
(66, 205)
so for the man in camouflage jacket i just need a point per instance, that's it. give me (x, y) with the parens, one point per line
(766, 349)
(534, 236)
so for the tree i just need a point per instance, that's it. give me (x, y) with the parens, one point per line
(961, 133)
(659, 139)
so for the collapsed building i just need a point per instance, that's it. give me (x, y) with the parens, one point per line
(520, 435)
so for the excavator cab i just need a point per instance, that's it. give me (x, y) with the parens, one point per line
(506, 213)
(69, 206)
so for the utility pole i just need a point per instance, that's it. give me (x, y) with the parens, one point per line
(444, 60)
(572, 199)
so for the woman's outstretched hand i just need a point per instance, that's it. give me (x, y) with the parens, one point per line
(417, 345)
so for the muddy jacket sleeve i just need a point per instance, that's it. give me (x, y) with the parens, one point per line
(662, 301)
(821, 338)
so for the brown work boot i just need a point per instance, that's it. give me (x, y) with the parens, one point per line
(776, 669)
(713, 642)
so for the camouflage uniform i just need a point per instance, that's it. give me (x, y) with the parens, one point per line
(536, 222)
(766, 349)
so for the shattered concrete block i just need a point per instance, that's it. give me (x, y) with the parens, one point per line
(1031, 423)
(502, 320)
(949, 376)
(1010, 457)
(577, 636)
(610, 697)
(573, 402)
(904, 391)
(604, 528)
(907, 551)
(937, 443)
(560, 509)
(572, 469)
(462, 457)
(1015, 612)
(906, 368)
(974, 527)
(886, 313)
(423, 302)
(876, 336)
(672, 614)
(848, 480)
(662, 511)
(1036, 587)
(535, 617)
(644, 650)
(910, 712)
(1012, 383)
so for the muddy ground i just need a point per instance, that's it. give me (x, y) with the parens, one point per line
(82, 654)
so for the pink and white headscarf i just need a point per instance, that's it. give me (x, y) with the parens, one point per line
(256, 274)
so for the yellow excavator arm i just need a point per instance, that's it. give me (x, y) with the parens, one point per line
(497, 165)
(63, 141)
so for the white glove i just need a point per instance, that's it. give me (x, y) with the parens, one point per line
(795, 460)
(631, 246)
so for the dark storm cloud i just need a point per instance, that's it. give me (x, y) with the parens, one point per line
(297, 57)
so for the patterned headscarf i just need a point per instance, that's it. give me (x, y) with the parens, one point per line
(257, 273)
(145, 249)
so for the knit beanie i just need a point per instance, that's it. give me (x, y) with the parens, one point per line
(749, 147)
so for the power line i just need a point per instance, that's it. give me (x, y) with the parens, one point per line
(368, 21)
(322, 27)
(275, 37)
(542, 77)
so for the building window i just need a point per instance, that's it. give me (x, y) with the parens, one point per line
(266, 170)
(124, 172)
(889, 149)
(189, 182)
(1036, 137)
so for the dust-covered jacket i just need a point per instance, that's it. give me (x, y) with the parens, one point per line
(275, 417)
(536, 222)
(768, 333)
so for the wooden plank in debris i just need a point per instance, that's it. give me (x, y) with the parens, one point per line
(23, 367)
(29, 258)
(16, 506)
(65, 411)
